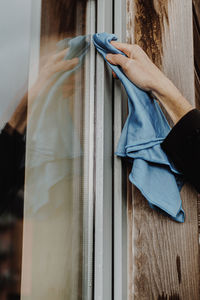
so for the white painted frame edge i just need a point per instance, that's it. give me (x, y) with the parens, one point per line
(88, 201)
(120, 177)
(103, 163)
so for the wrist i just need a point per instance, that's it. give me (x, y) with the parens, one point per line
(174, 102)
(165, 90)
(19, 126)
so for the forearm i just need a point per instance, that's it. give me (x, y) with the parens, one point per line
(172, 99)
(19, 118)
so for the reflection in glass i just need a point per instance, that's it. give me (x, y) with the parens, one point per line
(53, 229)
(14, 39)
(45, 141)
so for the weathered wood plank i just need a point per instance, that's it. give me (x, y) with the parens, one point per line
(165, 253)
(164, 262)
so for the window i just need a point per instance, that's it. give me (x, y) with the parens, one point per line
(66, 218)
(58, 206)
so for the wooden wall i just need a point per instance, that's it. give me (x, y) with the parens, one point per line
(163, 255)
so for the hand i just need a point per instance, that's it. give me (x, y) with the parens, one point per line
(55, 63)
(51, 64)
(137, 66)
(146, 75)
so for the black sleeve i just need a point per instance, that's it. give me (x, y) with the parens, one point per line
(12, 153)
(182, 145)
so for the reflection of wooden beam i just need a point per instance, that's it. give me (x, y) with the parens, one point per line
(163, 255)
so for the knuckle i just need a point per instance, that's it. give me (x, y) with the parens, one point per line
(137, 47)
(53, 57)
(115, 58)
(136, 50)
(128, 50)
(127, 64)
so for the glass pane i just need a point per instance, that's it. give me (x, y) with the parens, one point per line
(14, 60)
(47, 148)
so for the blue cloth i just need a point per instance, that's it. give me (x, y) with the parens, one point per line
(144, 130)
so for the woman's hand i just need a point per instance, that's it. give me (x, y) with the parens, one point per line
(50, 65)
(56, 63)
(137, 66)
(146, 75)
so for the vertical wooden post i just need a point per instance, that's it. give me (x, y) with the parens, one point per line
(163, 254)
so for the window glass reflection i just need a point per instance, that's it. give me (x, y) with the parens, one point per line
(43, 157)
(14, 61)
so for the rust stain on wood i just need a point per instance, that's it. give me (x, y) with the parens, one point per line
(150, 19)
(178, 266)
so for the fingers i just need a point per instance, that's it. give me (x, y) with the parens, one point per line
(60, 56)
(114, 75)
(118, 59)
(130, 50)
(126, 48)
(66, 65)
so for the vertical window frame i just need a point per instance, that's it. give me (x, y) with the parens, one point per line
(119, 171)
(103, 163)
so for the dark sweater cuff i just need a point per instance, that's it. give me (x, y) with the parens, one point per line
(182, 145)
(12, 153)
(188, 125)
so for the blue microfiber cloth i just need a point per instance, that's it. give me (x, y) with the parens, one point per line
(145, 129)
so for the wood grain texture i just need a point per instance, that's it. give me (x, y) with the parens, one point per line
(163, 254)
(165, 263)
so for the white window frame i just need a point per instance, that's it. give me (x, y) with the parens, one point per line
(103, 164)
(110, 181)
(104, 203)
(119, 170)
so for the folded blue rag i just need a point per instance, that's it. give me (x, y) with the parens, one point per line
(145, 129)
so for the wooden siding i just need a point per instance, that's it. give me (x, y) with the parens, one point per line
(163, 255)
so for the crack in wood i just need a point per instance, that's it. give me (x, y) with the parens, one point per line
(178, 266)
